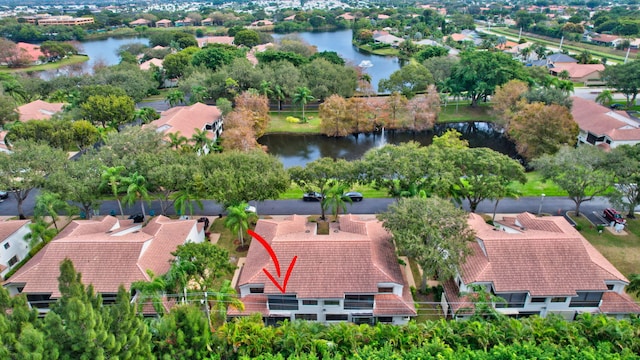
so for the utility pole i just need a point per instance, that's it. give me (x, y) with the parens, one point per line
(626, 57)
(206, 307)
(520, 34)
(561, 41)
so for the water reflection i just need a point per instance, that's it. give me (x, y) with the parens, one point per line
(298, 150)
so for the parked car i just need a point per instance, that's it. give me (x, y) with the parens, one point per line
(4, 195)
(612, 215)
(250, 208)
(312, 196)
(616, 106)
(354, 196)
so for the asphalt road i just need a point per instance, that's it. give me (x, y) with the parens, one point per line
(550, 205)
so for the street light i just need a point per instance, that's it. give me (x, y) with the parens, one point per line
(540, 207)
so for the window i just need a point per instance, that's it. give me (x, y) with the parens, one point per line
(385, 319)
(283, 302)
(310, 302)
(256, 290)
(586, 299)
(610, 287)
(40, 301)
(332, 302)
(7, 245)
(385, 289)
(356, 302)
(312, 317)
(109, 298)
(362, 320)
(538, 299)
(513, 300)
(13, 260)
(336, 317)
(558, 299)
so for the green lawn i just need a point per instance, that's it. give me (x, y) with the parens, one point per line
(464, 112)
(75, 59)
(160, 97)
(623, 251)
(536, 187)
(278, 123)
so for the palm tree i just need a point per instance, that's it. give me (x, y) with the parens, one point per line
(525, 53)
(146, 114)
(238, 220)
(184, 199)
(225, 298)
(336, 201)
(540, 50)
(265, 88)
(39, 231)
(50, 204)
(566, 86)
(279, 95)
(634, 284)
(112, 177)
(136, 190)
(303, 96)
(198, 94)
(178, 277)
(174, 98)
(152, 289)
(200, 139)
(176, 140)
(564, 75)
(605, 98)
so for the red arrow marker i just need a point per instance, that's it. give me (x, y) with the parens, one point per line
(274, 258)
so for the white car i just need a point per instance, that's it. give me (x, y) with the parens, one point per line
(250, 208)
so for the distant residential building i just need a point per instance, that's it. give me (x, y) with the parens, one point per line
(147, 64)
(603, 127)
(537, 266)
(186, 119)
(290, 18)
(65, 20)
(346, 16)
(228, 40)
(184, 22)
(207, 22)
(39, 110)
(140, 22)
(384, 37)
(164, 23)
(260, 23)
(350, 274)
(13, 247)
(589, 74)
(605, 39)
(107, 252)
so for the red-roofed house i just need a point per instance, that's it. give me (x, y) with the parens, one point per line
(351, 274)
(538, 266)
(604, 39)
(164, 23)
(13, 246)
(260, 23)
(107, 252)
(207, 22)
(590, 74)
(603, 127)
(184, 22)
(346, 16)
(140, 22)
(39, 110)
(147, 64)
(228, 40)
(186, 119)
(32, 51)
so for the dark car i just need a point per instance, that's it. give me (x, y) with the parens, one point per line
(137, 218)
(612, 215)
(616, 106)
(354, 196)
(4, 195)
(312, 196)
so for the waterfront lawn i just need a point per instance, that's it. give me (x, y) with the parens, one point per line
(74, 59)
(279, 124)
(464, 112)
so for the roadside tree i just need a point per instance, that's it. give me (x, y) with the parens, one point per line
(581, 172)
(108, 110)
(335, 117)
(624, 162)
(27, 168)
(79, 182)
(433, 232)
(624, 78)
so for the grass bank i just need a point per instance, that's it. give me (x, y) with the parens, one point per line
(75, 59)
(389, 51)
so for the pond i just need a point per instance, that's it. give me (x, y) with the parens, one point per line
(298, 150)
(340, 41)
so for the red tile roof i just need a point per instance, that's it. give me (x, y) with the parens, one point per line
(614, 303)
(228, 40)
(107, 252)
(548, 258)
(147, 64)
(38, 110)
(600, 120)
(185, 119)
(577, 71)
(7, 228)
(354, 257)
(32, 50)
